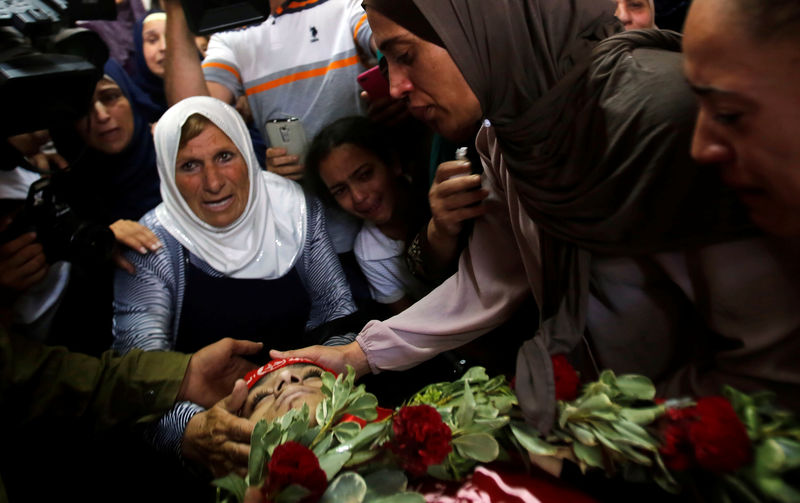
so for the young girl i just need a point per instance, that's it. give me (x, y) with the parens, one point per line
(352, 162)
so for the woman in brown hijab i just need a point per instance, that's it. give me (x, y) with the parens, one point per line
(639, 260)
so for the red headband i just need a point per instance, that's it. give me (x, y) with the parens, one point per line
(252, 377)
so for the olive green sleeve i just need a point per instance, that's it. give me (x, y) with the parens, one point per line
(37, 380)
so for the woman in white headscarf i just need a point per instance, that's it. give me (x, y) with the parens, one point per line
(245, 252)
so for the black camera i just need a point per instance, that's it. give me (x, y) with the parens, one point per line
(205, 17)
(62, 234)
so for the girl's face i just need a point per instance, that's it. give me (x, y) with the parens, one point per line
(109, 125)
(361, 183)
(154, 43)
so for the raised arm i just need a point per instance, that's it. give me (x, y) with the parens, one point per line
(184, 74)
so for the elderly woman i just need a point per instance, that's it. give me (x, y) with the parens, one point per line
(245, 252)
(639, 261)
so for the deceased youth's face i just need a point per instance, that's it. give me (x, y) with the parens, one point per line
(284, 389)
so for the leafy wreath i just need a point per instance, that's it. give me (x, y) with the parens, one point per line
(743, 444)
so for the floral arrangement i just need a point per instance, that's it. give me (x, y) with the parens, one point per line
(735, 447)
(742, 444)
(357, 453)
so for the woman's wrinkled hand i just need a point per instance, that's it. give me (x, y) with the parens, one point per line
(135, 236)
(218, 438)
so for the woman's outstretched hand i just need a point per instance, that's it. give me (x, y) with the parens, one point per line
(218, 438)
(335, 358)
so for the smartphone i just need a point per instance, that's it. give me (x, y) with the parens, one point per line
(374, 83)
(287, 133)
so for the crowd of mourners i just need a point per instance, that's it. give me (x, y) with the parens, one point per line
(614, 181)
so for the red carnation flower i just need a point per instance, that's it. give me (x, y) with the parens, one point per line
(421, 439)
(566, 378)
(708, 435)
(293, 463)
(719, 438)
(676, 449)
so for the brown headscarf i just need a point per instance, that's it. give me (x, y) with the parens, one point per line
(596, 132)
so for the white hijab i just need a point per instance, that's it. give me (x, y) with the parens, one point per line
(266, 240)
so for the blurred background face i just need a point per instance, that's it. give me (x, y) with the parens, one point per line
(749, 119)
(635, 14)
(201, 41)
(154, 43)
(360, 182)
(426, 76)
(109, 125)
(212, 177)
(284, 389)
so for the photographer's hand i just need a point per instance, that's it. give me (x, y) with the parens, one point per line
(22, 263)
(133, 235)
(30, 145)
(285, 165)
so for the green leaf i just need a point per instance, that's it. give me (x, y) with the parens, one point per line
(258, 452)
(292, 494)
(637, 387)
(364, 407)
(331, 462)
(328, 381)
(466, 411)
(475, 375)
(346, 431)
(309, 435)
(348, 487)
(644, 415)
(365, 436)
(478, 446)
(634, 434)
(769, 456)
(485, 412)
(503, 404)
(582, 435)
(233, 484)
(633, 455)
(491, 424)
(323, 410)
(385, 482)
(324, 444)
(591, 455)
(531, 440)
(361, 457)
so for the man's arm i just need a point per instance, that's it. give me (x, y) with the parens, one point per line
(37, 380)
(184, 74)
